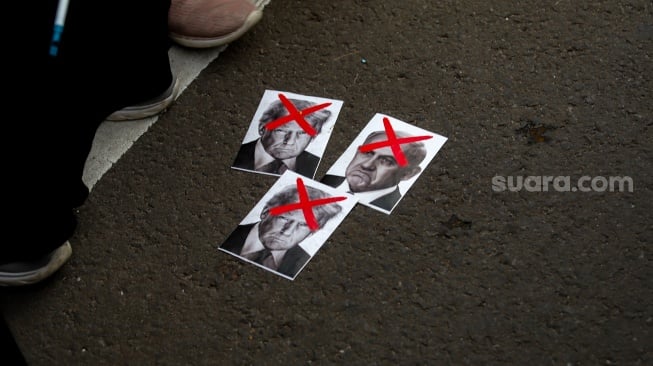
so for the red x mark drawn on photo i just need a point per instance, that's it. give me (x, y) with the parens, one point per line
(393, 142)
(296, 115)
(306, 205)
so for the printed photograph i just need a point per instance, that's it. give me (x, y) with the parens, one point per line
(289, 132)
(383, 162)
(289, 225)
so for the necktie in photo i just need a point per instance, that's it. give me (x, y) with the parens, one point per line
(263, 257)
(277, 167)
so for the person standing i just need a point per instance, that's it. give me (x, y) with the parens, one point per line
(78, 66)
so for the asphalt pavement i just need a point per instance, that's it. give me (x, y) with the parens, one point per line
(471, 267)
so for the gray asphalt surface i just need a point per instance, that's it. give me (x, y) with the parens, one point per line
(458, 274)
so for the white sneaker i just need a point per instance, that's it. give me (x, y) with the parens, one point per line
(27, 273)
(150, 107)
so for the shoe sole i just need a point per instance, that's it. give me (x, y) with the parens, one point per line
(147, 110)
(58, 258)
(200, 42)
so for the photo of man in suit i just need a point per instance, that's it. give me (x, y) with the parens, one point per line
(373, 176)
(273, 242)
(283, 148)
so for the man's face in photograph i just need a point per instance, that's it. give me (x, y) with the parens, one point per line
(376, 169)
(282, 232)
(286, 141)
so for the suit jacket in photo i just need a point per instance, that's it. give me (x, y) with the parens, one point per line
(291, 263)
(386, 202)
(305, 163)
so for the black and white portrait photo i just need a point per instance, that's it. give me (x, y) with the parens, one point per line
(279, 235)
(383, 162)
(288, 132)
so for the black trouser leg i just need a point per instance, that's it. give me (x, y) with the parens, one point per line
(11, 354)
(112, 54)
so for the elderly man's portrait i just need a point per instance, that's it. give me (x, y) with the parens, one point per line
(284, 242)
(380, 176)
(280, 139)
